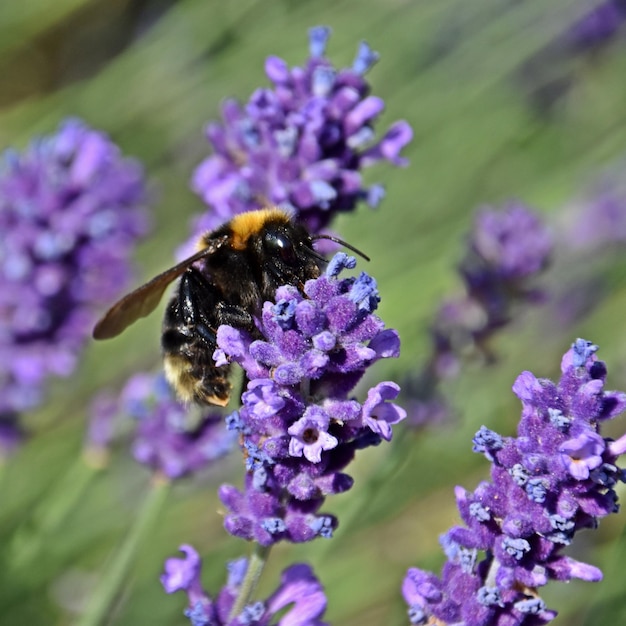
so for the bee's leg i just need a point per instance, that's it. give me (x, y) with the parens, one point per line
(197, 298)
(234, 315)
(185, 320)
(189, 340)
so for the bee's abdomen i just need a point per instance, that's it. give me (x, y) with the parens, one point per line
(197, 382)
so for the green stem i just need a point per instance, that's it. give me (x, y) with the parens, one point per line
(116, 573)
(50, 514)
(256, 564)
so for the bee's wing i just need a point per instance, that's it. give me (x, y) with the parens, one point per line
(145, 299)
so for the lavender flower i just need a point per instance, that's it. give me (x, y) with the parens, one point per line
(11, 433)
(598, 220)
(554, 479)
(550, 74)
(301, 143)
(599, 25)
(163, 440)
(299, 425)
(507, 249)
(299, 590)
(70, 205)
(101, 428)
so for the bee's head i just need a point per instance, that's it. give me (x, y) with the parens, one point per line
(286, 255)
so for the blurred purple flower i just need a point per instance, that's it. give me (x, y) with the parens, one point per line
(163, 439)
(299, 590)
(512, 243)
(101, 428)
(557, 477)
(599, 219)
(550, 74)
(299, 425)
(507, 248)
(599, 25)
(11, 434)
(72, 209)
(301, 143)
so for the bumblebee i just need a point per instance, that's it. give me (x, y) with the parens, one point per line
(237, 267)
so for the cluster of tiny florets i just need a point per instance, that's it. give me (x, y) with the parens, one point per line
(299, 425)
(506, 250)
(299, 599)
(301, 144)
(598, 26)
(74, 208)
(557, 477)
(507, 247)
(164, 440)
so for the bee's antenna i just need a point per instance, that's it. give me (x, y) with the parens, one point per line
(341, 242)
(315, 254)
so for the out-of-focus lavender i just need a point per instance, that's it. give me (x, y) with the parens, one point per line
(163, 439)
(72, 209)
(299, 590)
(557, 477)
(506, 250)
(300, 425)
(552, 73)
(599, 25)
(300, 144)
(597, 220)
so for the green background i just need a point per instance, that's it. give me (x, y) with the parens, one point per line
(473, 78)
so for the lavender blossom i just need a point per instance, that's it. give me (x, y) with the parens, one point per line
(597, 221)
(557, 477)
(550, 74)
(301, 143)
(599, 25)
(164, 440)
(507, 248)
(299, 424)
(72, 210)
(299, 590)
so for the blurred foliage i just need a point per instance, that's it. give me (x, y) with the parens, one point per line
(501, 107)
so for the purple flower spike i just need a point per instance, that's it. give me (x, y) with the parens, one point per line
(299, 423)
(507, 249)
(513, 241)
(299, 599)
(598, 26)
(70, 205)
(301, 143)
(555, 478)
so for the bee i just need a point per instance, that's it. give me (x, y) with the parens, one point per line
(237, 267)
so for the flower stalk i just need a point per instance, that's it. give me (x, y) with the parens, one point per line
(115, 575)
(256, 563)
